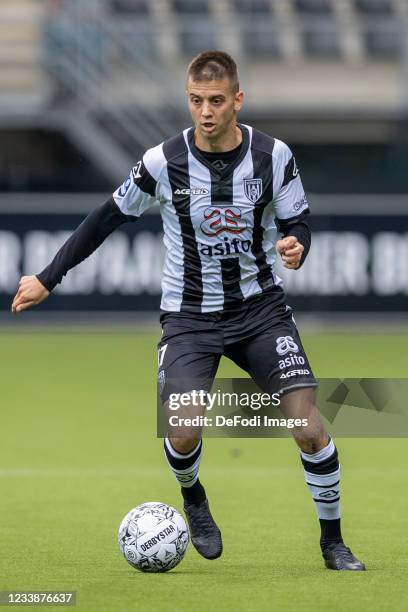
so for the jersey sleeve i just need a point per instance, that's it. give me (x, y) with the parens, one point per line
(141, 189)
(290, 200)
(87, 237)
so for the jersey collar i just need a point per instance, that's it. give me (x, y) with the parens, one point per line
(231, 167)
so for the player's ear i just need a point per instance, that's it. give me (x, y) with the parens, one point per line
(239, 100)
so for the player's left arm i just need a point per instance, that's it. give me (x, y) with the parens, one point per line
(291, 208)
(295, 244)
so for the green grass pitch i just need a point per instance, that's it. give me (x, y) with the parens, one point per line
(78, 450)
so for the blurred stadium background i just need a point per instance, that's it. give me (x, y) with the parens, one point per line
(87, 86)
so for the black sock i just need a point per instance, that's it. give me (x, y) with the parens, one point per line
(330, 532)
(195, 494)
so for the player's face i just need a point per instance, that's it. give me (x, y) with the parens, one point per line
(213, 106)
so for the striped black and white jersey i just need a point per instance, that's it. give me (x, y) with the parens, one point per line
(219, 222)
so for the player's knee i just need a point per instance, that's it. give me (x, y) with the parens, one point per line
(312, 437)
(312, 445)
(184, 445)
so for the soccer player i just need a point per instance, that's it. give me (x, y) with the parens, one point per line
(224, 190)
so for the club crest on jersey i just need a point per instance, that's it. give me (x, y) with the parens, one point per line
(253, 189)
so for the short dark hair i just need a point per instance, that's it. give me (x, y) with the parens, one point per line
(214, 66)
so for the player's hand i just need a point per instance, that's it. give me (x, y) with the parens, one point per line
(30, 293)
(290, 250)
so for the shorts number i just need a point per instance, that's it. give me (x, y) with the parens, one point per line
(161, 353)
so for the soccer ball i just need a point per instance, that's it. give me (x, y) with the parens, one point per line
(153, 537)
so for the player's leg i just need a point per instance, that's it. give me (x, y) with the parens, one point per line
(183, 449)
(205, 534)
(186, 368)
(183, 445)
(320, 461)
(277, 362)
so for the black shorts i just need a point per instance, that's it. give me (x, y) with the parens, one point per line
(259, 335)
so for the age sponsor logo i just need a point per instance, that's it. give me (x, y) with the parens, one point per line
(136, 171)
(300, 204)
(225, 247)
(291, 360)
(192, 191)
(285, 344)
(329, 494)
(295, 373)
(161, 379)
(218, 220)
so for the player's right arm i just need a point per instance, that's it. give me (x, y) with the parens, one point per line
(88, 236)
(138, 192)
